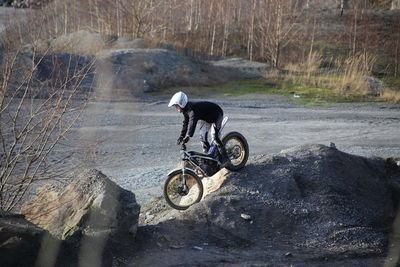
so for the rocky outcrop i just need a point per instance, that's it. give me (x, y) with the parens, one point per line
(92, 205)
(86, 225)
(210, 184)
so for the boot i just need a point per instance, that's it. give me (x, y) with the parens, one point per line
(206, 146)
(225, 161)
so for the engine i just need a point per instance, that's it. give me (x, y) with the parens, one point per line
(210, 167)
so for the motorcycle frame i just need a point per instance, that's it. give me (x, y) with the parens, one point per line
(186, 156)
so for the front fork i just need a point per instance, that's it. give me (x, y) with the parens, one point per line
(183, 187)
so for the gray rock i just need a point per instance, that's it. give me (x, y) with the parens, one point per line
(245, 217)
(92, 205)
(375, 85)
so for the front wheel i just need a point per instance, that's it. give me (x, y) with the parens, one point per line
(182, 193)
(237, 149)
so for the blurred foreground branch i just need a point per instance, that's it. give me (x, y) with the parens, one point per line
(41, 99)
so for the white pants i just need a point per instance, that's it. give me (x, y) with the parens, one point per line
(206, 129)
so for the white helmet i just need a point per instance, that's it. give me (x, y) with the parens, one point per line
(179, 99)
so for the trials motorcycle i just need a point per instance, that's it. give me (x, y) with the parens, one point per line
(183, 186)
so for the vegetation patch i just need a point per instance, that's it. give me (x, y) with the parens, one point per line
(312, 82)
(302, 92)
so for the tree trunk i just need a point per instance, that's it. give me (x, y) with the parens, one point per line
(65, 17)
(355, 31)
(396, 61)
(251, 31)
(212, 41)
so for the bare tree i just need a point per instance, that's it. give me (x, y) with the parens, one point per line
(35, 119)
(138, 15)
(251, 30)
(276, 27)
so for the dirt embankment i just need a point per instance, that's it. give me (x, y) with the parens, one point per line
(308, 206)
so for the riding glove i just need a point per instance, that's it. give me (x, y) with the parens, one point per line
(179, 141)
(186, 139)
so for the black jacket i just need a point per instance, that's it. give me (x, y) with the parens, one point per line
(202, 110)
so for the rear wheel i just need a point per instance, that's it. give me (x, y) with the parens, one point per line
(181, 195)
(237, 149)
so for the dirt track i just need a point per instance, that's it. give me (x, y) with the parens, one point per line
(140, 135)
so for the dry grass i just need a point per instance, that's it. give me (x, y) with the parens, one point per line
(391, 96)
(310, 66)
(273, 75)
(353, 71)
(348, 77)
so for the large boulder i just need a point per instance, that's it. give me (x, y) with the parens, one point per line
(310, 197)
(91, 205)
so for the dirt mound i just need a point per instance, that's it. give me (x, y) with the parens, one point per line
(243, 68)
(117, 68)
(311, 200)
(130, 71)
(144, 70)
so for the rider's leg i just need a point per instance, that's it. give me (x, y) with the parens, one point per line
(221, 149)
(205, 144)
(203, 129)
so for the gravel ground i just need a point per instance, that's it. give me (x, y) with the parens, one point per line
(139, 135)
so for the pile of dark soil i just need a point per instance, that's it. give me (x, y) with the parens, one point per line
(306, 204)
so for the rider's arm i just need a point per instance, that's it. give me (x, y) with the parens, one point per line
(184, 125)
(192, 124)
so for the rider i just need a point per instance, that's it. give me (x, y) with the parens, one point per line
(208, 114)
